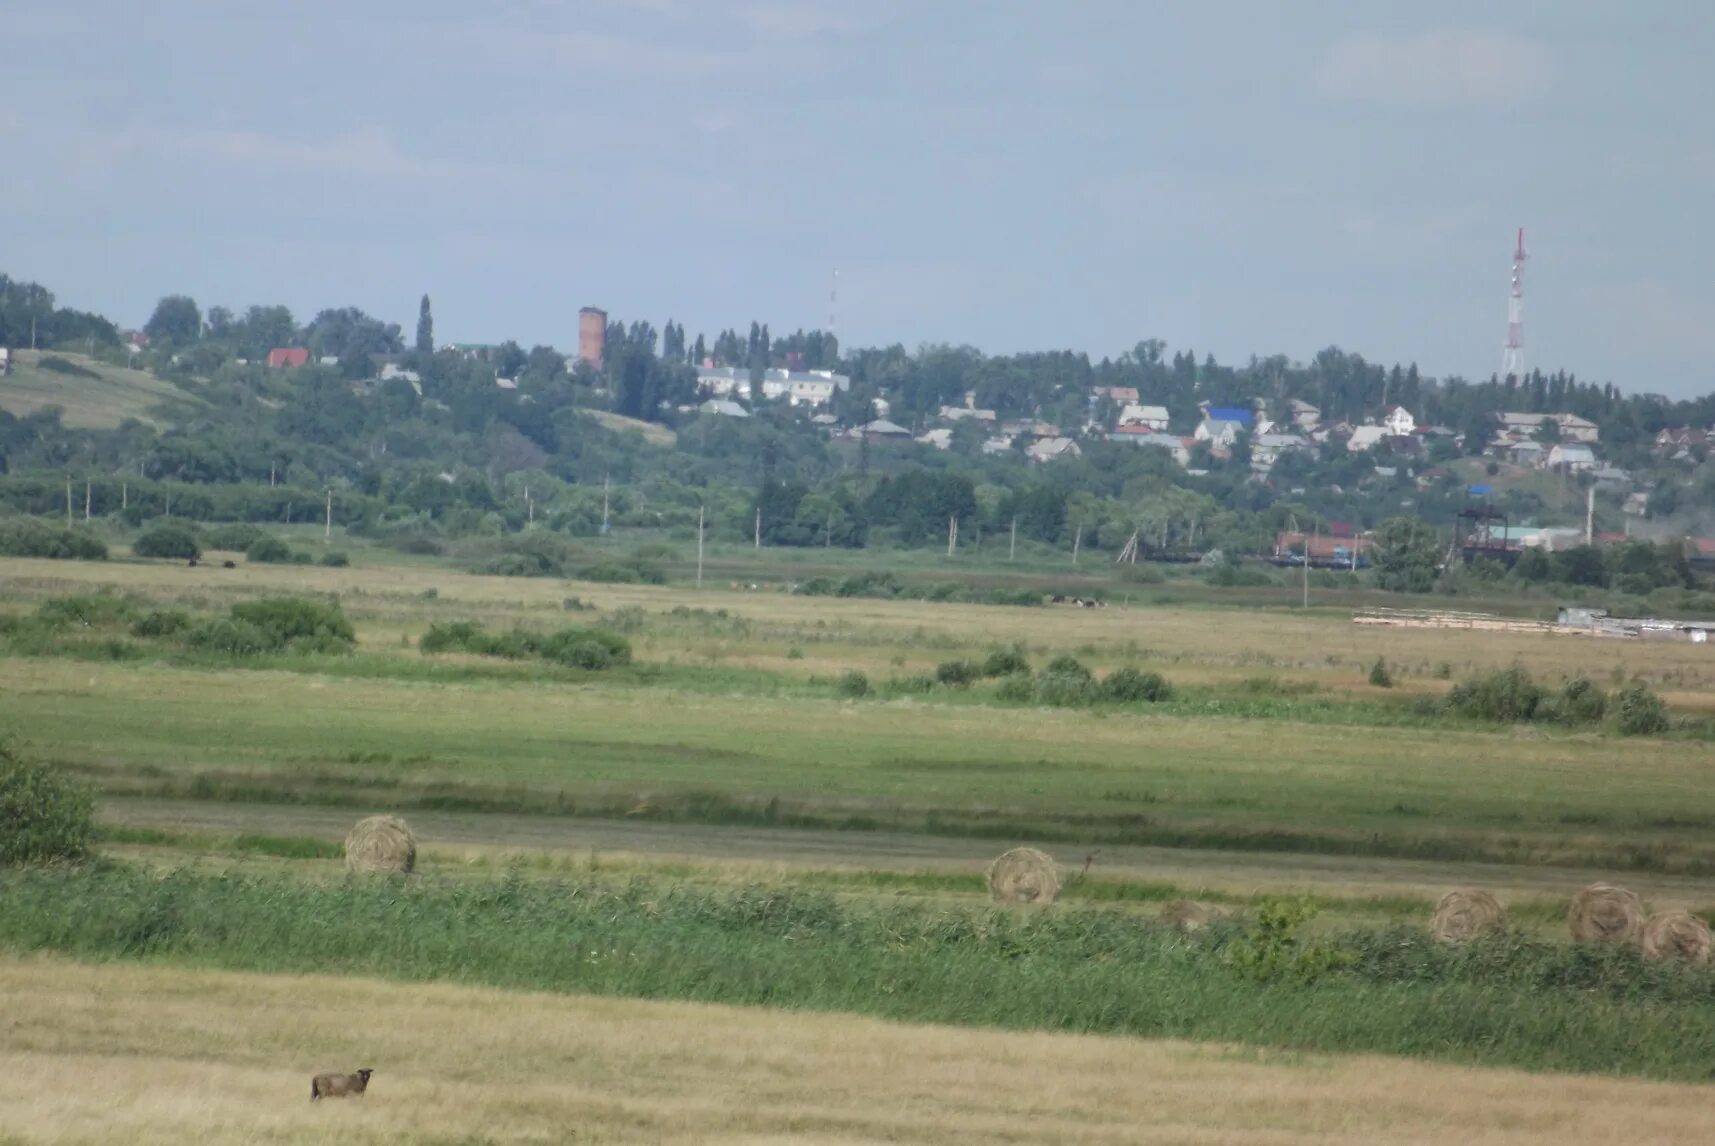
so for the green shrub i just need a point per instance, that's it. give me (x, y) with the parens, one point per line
(289, 619)
(853, 684)
(335, 560)
(235, 537)
(1379, 674)
(1068, 666)
(1505, 695)
(27, 537)
(60, 365)
(234, 638)
(1580, 701)
(912, 684)
(592, 649)
(1005, 662)
(1016, 688)
(1270, 950)
(44, 815)
(1641, 712)
(449, 636)
(1131, 686)
(162, 623)
(85, 610)
(268, 551)
(956, 674)
(167, 541)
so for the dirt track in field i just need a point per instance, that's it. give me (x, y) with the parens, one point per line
(1225, 871)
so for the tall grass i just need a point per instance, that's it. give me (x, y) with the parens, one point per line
(1508, 1002)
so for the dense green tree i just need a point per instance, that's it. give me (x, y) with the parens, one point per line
(176, 323)
(425, 328)
(1408, 554)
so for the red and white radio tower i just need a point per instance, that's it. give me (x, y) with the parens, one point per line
(1512, 358)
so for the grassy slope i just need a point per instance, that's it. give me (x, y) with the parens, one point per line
(91, 403)
(160, 1056)
(653, 433)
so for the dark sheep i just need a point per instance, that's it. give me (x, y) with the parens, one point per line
(339, 1085)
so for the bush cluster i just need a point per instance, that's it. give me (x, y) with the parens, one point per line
(167, 540)
(29, 537)
(890, 586)
(583, 648)
(44, 816)
(1510, 696)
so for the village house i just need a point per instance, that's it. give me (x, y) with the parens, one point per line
(1576, 429)
(941, 439)
(1179, 447)
(801, 388)
(1122, 394)
(1220, 433)
(1366, 438)
(288, 356)
(1303, 414)
(993, 447)
(1266, 448)
(881, 430)
(1047, 449)
(1398, 421)
(965, 413)
(1244, 417)
(724, 408)
(1572, 457)
(724, 381)
(1149, 417)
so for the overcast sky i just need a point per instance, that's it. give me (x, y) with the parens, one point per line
(1240, 178)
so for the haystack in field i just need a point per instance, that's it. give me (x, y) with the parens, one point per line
(1466, 913)
(1024, 875)
(381, 843)
(1603, 913)
(1676, 935)
(1190, 914)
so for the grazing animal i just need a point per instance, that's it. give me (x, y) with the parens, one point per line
(229, 564)
(339, 1085)
(192, 563)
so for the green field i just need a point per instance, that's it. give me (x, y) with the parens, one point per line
(746, 830)
(96, 395)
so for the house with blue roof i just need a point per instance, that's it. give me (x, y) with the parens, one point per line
(1237, 414)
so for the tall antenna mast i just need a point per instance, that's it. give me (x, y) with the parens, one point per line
(1512, 358)
(833, 303)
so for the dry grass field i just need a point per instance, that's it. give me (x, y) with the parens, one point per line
(99, 399)
(1321, 645)
(157, 1056)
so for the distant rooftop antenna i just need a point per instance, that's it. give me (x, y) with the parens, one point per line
(1512, 358)
(833, 304)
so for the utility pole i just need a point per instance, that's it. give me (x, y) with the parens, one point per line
(758, 535)
(327, 532)
(86, 500)
(68, 502)
(604, 499)
(1077, 541)
(700, 510)
(529, 506)
(952, 534)
(1590, 516)
(124, 495)
(1012, 547)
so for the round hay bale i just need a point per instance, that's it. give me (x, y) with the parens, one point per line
(1676, 935)
(1190, 914)
(381, 843)
(1024, 875)
(1603, 913)
(1466, 913)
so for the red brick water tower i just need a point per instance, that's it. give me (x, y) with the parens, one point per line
(592, 335)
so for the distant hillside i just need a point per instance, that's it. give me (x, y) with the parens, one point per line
(93, 394)
(655, 435)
